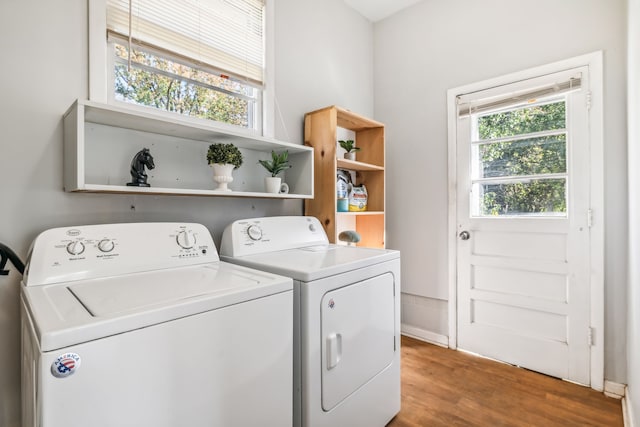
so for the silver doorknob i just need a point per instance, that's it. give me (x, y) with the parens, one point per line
(464, 235)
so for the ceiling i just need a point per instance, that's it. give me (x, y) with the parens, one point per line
(376, 10)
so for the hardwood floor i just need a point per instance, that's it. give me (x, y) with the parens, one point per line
(442, 387)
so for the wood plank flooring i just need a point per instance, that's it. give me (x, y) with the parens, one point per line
(443, 387)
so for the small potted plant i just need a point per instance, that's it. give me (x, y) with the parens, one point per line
(223, 159)
(277, 164)
(349, 146)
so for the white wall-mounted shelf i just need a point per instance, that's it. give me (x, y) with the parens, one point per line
(101, 139)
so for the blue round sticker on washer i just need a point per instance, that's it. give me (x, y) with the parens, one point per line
(65, 365)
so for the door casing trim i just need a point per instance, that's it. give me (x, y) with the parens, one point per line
(596, 193)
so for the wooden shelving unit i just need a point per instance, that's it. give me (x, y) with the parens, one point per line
(101, 139)
(321, 133)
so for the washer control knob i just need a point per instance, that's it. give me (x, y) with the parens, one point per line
(254, 232)
(106, 245)
(186, 239)
(75, 248)
(312, 227)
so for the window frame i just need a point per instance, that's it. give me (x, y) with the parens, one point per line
(101, 78)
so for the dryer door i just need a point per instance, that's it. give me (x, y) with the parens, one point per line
(358, 338)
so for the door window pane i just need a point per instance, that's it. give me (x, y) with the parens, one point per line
(540, 197)
(522, 120)
(519, 161)
(546, 154)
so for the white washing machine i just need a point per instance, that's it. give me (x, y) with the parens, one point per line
(142, 325)
(346, 318)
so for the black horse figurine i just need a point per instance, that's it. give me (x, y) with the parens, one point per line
(140, 160)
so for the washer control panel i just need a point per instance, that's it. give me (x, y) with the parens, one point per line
(93, 251)
(259, 235)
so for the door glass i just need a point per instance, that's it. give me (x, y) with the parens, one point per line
(531, 197)
(529, 119)
(519, 161)
(531, 156)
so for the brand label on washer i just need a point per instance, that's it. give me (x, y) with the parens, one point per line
(65, 365)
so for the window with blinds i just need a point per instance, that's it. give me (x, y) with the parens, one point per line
(201, 58)
(519, 145)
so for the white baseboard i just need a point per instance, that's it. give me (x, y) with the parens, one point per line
(627, 412)
(424, 335)
(615, 390)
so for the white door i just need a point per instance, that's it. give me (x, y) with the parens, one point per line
(523, 219)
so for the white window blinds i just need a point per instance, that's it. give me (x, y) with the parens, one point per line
(518, 93)
(224, 34)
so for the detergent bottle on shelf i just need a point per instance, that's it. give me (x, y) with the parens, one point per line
(343, 182)
(358, 198)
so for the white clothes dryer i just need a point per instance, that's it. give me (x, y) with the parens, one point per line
(346, 318)
(142, 325)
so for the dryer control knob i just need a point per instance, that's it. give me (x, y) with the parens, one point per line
(254, 232)
(186, 239)
(106, 245)
(75, 248)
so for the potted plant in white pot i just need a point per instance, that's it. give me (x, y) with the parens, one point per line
(349, 146)
(223, 159)
(277, 164)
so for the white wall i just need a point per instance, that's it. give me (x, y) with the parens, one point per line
(436, 45)
(325, 54)
(45, 69)
(633, 332)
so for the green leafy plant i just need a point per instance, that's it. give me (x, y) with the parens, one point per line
(225, 154)
(348, 145)
(277, 164)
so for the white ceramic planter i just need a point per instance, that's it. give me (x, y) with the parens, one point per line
(222, 175)
(272, 184)
(350, 156)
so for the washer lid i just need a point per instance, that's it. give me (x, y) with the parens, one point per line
(71, 313)
(315, 262)
(136, 292)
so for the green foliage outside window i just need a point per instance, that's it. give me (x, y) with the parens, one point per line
(525, 120)
(158, 82)
(536, 155)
